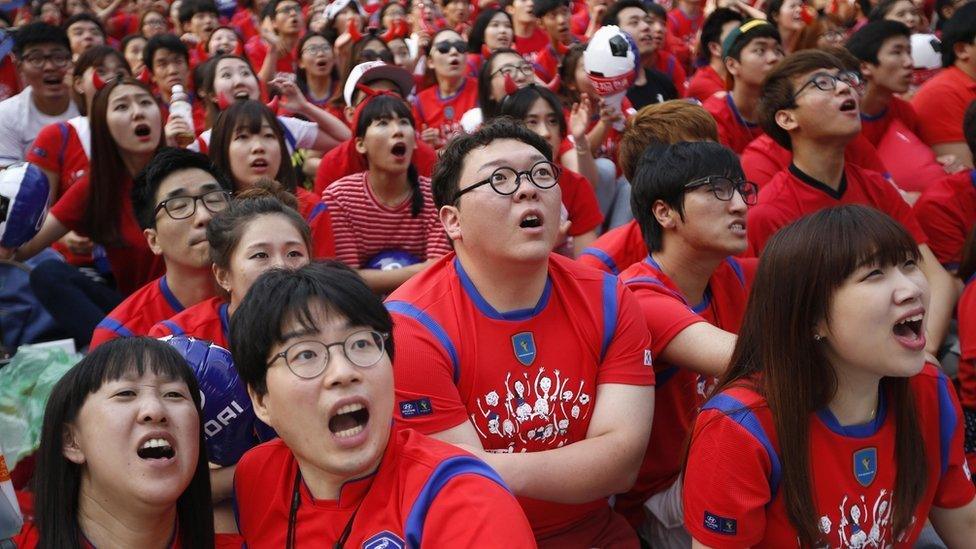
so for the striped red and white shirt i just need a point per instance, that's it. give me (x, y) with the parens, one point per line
(363, 227)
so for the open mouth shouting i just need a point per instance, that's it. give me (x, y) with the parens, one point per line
(143, 132)
(399, 150)
(259, 165)
(849, 106)
(53, 80)
(909, 332)
(531, 219)
(156, 448)
(348, 423)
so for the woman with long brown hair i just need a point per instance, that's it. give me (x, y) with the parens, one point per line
(829, 428)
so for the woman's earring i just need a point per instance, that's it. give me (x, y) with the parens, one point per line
(818, 337)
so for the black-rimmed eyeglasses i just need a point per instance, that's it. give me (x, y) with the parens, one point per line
(505, 181)
(724, 187)
(824, 81)
(308, 359)
(182, 207)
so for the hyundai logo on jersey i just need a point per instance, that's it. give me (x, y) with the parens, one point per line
(524, 345)
(865, 466)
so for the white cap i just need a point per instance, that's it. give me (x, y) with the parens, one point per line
(926, 51)
(333, 9)
(371, 71)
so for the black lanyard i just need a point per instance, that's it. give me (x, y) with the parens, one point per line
(296, 501)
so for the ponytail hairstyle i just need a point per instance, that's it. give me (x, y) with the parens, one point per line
(108, 171)
(387, 106)
(249, 115)
(777, 356)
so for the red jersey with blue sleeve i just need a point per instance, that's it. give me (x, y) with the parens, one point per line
(62, 148)
(525, 379)
(207, 320)
(425, 493)
(733, 496)
(444, 113)
(679, 391)
(946, 210)
(133, 264)
(733, 131)
(135, 316)
(793, 194)
(616, 249)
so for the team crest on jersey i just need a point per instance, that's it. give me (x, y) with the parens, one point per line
(449, 112)
(524, 345)
(865, 466)
(384, 540)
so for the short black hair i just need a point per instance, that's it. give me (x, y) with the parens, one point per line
(868, 40)
(39, 33)
(476, 38)
(83, 16)
(760, 29)
(163, 42)
(961, 27)
(189, 8)
(662, 173)
(279, 297)
(969, 127)
(712, 30)
(447, 171)
(612, 16)
(542, 7)
(271, 9)
(166, 162)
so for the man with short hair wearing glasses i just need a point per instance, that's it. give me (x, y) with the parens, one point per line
(539, 365)
(42, 54)
(690, 200)
(174, 200)
(809, 105)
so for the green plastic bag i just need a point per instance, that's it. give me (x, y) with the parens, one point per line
(25, 385)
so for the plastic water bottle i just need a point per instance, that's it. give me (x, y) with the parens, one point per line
(179, 105)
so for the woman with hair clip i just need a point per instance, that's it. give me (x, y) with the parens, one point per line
(829, 429)
(126, 132)
(259, 231)
(492, 30)
(122, 460)
(539, 109)
(386, 214)
(438, 108)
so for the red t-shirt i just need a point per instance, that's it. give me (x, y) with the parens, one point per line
(705, 83)
(9, 79)
(733, 496)
(679, 391)
(764, 158)
(425, 493)
(444, 113)
(793, 194)
(529, 46)
(527, 380)
(616, 249)
(344, 160)
(733, 131)
(547, 63)
(207, 320)
(874, 127)
(133, 263)
(363, 227)
(256, 50)
(966, 315)
(669, 65)
(940, 104)
(135, 316)
(580, 201)
(946, 210)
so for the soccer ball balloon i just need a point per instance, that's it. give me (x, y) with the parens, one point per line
(611, 62)
(24, 199)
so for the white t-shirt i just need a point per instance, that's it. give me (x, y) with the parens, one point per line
(20, 122)
(302, 131)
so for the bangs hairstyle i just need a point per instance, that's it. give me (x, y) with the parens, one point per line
(301, 75)
(477, 37)
(521, 102)
(392, 107)
(281, 297)
(778, 89)
(108, 172)
(663, 172)
(869, 39)
(57, 481)
(489, 107)
(776, 353)
(249, 116)
(663, 123)
(206, 83)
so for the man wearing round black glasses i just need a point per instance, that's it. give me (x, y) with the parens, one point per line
(174, 199)
(536, 363)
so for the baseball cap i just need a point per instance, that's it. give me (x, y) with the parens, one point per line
(371, 71)
(744, 32)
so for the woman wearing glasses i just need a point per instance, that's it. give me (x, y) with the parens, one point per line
(829, 429)
(439, 107)
(126, 132)
(314, 348)
(503, 73)
(386, 214)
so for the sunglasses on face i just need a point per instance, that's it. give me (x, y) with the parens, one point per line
(445, 46)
